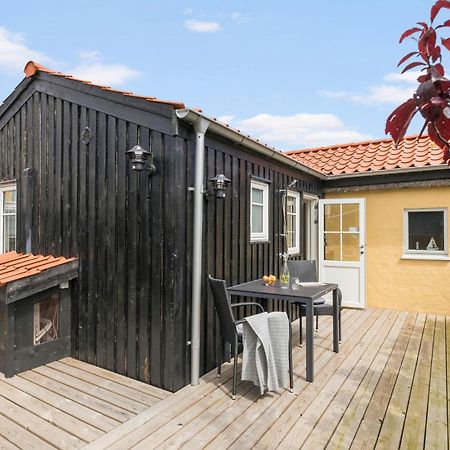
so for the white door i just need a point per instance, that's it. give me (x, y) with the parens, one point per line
(342, 247)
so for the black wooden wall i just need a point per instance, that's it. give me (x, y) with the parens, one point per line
(132, 233)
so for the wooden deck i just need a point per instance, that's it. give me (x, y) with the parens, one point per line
(68, 404)
(387, 388)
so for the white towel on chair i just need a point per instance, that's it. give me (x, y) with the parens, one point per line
(266, 350)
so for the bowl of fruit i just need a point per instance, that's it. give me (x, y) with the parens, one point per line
(269, 280)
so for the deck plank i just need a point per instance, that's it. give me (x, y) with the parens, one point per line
(369, 428)
(66, 422)
(274, 435)
(78, 396)
(370, 364)
(219, 416)
(413, 433)
(436, 425)
(312, 412)
(19, 436)
(64, 404)
(375, 389)
(96, 391)
(47, 432)
(390, 433)
(118, 389)
(229, 426)
(117, 378)
(388, 387)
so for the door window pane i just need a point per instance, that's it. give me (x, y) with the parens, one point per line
(350, 247)
(332, 217)
(426, 231)
(332, 246)
(350, 217)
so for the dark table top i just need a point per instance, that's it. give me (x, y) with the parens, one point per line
(257, 288)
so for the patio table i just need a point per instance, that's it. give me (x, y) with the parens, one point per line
(304, 294)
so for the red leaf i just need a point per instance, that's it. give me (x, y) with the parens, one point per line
(397, 123)
(409, 33)
(446, 43)
(437, 7)
(424, 78)
(412, 65)
(441, 140)
(405, 58)
(437, 71)
(422, 44)
(423, 24)
(431, 40)
(436, 53)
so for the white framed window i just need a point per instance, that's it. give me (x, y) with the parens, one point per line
(259, 211)
(425, 233)
(293, 222)
(8, 202)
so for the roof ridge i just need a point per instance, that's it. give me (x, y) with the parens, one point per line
(32, 67)
(354, 144)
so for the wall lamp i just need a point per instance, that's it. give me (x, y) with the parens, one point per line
(141, 159)
(220, 184)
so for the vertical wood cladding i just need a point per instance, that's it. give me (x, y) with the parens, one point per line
(132, 233)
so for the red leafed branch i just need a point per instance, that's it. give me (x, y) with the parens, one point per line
(432, 97)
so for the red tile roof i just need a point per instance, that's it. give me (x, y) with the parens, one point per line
(32, 67)
(14, 266)
(372, 156)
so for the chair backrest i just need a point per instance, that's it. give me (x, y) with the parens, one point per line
(222, 304)
(304, 270)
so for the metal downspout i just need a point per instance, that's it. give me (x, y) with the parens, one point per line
(200, 127)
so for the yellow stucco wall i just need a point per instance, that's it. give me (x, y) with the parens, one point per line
(392, 282)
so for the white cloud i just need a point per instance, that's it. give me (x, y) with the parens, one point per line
(202, 27)
(89, 55)
(105, 74)
(395, 89)
(226, 119)
(298, 130)
(407, 77)
(14, 53)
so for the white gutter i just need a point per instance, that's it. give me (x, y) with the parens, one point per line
(238, 138)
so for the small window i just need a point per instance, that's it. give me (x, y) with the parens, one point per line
(259, 214)
(293, 222)
(8, 203)
(46, 319)
(426, 231)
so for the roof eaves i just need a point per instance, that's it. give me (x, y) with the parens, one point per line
(225, 130)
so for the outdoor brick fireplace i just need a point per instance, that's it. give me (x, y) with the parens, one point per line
(35, 310)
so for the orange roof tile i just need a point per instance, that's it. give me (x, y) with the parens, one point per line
(372, 156)
(14, 266)
(32, 67)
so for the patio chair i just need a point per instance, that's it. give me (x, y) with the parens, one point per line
(306, 271)
(230, 328)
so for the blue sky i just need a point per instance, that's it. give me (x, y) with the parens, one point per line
(294, 73)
